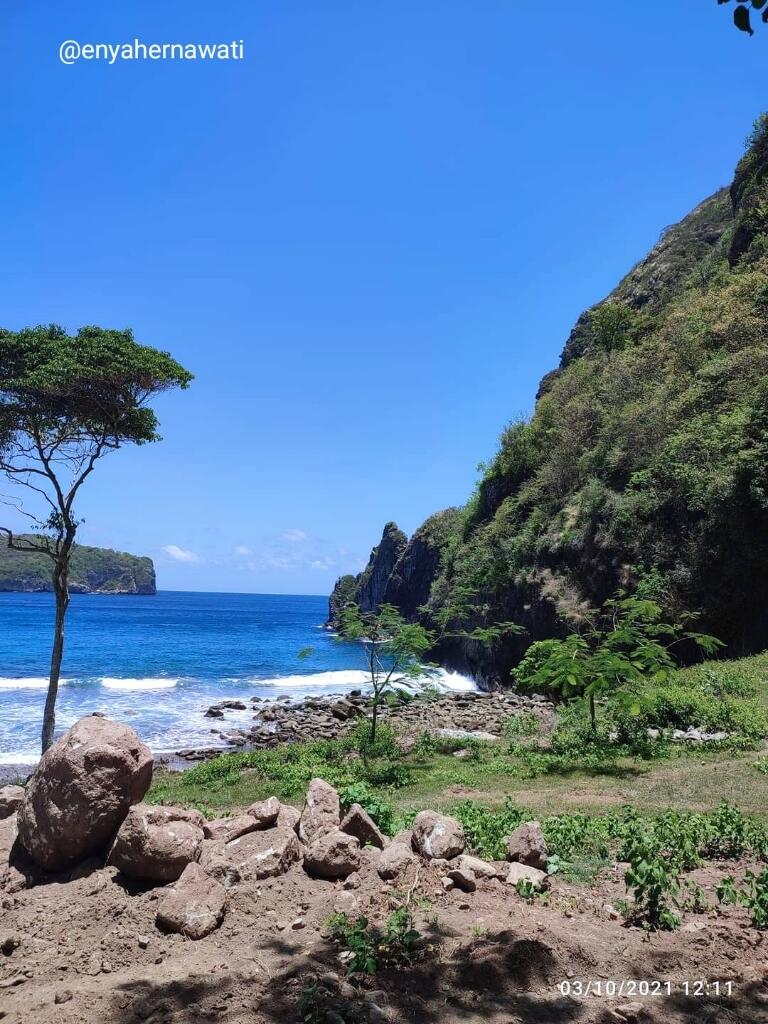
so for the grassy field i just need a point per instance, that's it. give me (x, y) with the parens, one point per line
(564, 773)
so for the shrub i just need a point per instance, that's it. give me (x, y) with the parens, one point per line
(654, 883)
(380, 810)
(366, 948)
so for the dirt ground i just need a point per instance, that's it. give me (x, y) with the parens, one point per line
(87, 951)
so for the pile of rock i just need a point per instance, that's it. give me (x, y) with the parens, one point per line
(86, 801)
(327, 717)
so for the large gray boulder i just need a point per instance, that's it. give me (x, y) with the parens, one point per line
(321, 813)
(157, 843)
(332, 855)
(437, 836)
(194, 906)
(81, 791)
(527, 845)
(11, 798)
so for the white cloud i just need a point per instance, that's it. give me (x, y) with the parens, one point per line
(294, 536)
(243, 549)
(322, 563)
(179, 554)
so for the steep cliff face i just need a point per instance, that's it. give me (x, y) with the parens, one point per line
(645, 464)
(93, 571)
(410, 582)
(372, 584)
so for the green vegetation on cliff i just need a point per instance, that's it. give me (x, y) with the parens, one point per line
(645, 464)
(93, 570)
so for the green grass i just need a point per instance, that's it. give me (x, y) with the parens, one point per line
(575, 775)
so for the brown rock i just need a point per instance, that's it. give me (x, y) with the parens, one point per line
(395, 862)
(321, 811)
(358, 823)
(332, 855)
(288, 817)
(227, 829)
(479, 868)
(11, 798)
(517, 872)
(262, 854)
(81, 792)
(194, 906)
(265, 813)
(528, 845)
(157, 843)
(437, 835)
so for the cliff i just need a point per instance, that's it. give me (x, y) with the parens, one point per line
(644, 465)
(94, 571)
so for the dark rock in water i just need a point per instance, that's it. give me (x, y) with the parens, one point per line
(81, 791)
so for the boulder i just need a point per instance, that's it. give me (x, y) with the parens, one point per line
(479, 868)
(288, 817)
(321, 811)
(517, 872)
(332, 855)
(157, 843)
(265, 812)
(437, 835)
(358, 823)
(11, 798)
(395, 862)
(81, 792)
(194, 906)
(260, 854)
(464, 878)
(528, 845)
(227, 829)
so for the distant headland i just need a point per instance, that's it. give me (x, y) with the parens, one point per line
(93, 571)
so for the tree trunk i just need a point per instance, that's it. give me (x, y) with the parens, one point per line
(592, 714)
(374, 720)
(61, 592)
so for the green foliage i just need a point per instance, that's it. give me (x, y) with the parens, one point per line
(318, 1005)
(654, 883)
(742, 15)
(753, 895)
(380, 810)
(96, 569)
(395, 650)
(612, 326)
(613, 659)
(366, 948)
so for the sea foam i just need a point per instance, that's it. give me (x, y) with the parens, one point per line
(150, 683)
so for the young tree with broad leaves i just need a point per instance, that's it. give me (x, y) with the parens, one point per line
(630, 644)
(66, 401)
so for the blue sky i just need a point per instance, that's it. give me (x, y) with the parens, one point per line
(368, 239)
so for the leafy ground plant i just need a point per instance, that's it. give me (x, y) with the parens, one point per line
(654, 883)
(366, 948)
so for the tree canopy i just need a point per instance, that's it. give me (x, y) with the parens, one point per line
(742, 14)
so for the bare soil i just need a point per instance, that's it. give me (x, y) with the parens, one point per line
(87, 951)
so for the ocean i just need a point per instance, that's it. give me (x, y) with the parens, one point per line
(157, 663)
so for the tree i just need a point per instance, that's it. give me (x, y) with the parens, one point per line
(394, 651)
(631, 645)
(742, 18)
(65, 402)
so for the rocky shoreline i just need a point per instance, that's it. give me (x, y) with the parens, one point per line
(328, 717)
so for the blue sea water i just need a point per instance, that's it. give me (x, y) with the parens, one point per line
(159, 662)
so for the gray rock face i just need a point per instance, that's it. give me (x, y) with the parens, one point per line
(528, 845)
(81, 792)
(332, 855)
(321, 811)
(437, 836)
(395, 862)
(157, 843)
(11, 798)
(194, 906)
(358, 823)
(372, 584)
